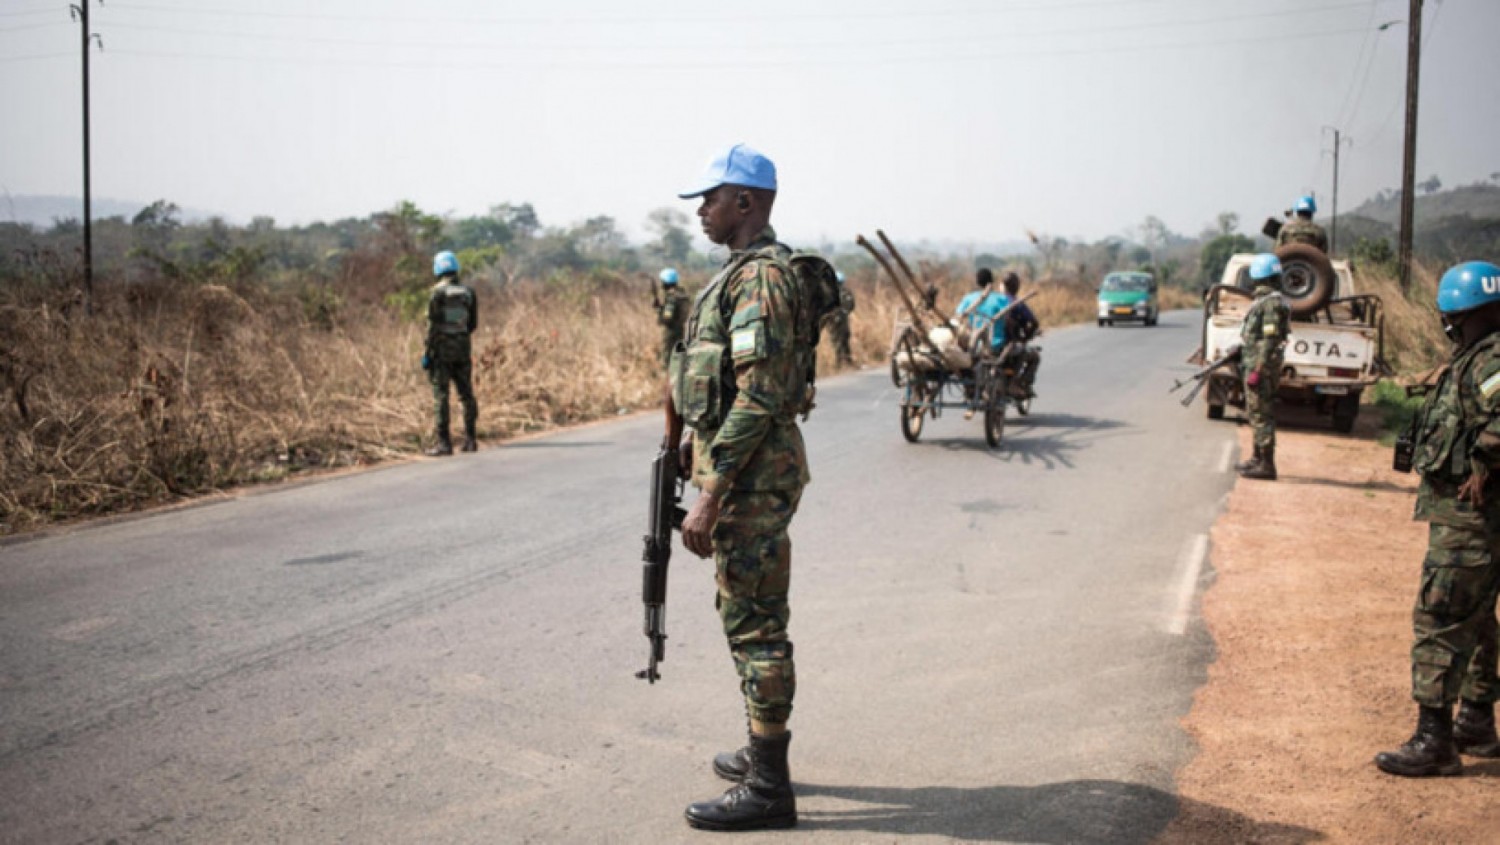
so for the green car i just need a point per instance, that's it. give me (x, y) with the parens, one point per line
(1127, 297)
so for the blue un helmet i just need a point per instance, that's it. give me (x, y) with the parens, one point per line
(1265, 266)
(1467, 286)
(839, 274)
(1306, 205)
(444, 263)
(668, 276)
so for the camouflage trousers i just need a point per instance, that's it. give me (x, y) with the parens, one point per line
(838, 334)
(670, 337)
(1454, 651)
(1260, 410)
(459, 371)
(753, 568)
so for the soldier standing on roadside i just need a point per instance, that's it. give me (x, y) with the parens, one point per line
(671, 313)
(1262, 343)
(1456, 448)
(747, 459)
(452, 316)
(1301, 229)
(838, 324)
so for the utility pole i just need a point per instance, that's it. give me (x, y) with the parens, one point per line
(80, 11)
(1409, 165)
(1333, 221)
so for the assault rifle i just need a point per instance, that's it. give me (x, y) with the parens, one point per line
(666, 514)
(1229, 358)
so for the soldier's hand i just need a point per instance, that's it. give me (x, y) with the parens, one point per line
(698, 528)
(1472, 490)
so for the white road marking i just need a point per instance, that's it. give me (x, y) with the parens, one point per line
(1227, 457)
(1189, 568)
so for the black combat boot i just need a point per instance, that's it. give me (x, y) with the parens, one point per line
(1244, 465)
(732, 765)
(762, 800)
(443, 446)
(1429, 752)
(1265, 468)
(470, 444)
(1473, 730)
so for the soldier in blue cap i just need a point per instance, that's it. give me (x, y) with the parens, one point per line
(1455, 446)
(738, 385)
(1301, 229)
(671, 313)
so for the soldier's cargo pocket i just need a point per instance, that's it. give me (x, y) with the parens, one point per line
(696, 392)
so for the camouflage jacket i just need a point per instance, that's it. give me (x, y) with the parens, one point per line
(1300, 231)
(452, 315)
(735, 381)
(1456, 432)
(673, 311)
(1263, 334)
(846, 300)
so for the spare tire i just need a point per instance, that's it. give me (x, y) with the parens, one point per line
(1307, 277)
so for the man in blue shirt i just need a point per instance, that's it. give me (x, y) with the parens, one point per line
(980, 306)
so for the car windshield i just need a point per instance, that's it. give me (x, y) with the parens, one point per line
(1133, 283)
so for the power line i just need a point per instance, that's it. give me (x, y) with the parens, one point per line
(1364, 45)
(38, 10)
(1401, 102)
(31, 56)
(864, 44)
(859, 60)
(25, 27)
(619, 19)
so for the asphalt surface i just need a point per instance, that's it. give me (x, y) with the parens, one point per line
(991, 646)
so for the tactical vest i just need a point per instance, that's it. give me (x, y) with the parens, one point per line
(1259, 347)
(455, 303)
(1451, 419)
(704, 387)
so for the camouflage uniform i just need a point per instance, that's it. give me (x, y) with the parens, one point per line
(737, 385)
(1454, 649)
(671, 315)
(1262, 344)
(1300, 230)
(838, 326)
(452, 316)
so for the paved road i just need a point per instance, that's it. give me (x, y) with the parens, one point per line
(990, 646)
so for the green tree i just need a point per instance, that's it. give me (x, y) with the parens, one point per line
(1216, 253)
(673, 242)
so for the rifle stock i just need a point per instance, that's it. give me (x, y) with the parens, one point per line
(1201, 377)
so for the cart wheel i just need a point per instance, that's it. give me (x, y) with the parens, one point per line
(994, 413)
(911, 423)
(895, 372)
(1023, 406)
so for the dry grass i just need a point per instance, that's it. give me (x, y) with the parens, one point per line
(173, 389)
(1414, 339)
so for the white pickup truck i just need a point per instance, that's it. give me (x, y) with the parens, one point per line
(1336, 347)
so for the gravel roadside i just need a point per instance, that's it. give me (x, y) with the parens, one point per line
(1311, 616)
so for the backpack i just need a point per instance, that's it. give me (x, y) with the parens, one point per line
(817, 292)
(815, 298)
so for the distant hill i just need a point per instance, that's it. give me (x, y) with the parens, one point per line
(1481, 202)
(41, 210)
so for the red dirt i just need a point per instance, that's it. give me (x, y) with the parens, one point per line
(1311, 618)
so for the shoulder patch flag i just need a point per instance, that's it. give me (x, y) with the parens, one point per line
(1490, 386)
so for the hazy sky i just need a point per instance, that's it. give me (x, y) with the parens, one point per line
(950, 119)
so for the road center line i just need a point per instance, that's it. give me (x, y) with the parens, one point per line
(1226, 457)
(1189, 568)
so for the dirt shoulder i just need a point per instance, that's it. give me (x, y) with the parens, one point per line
(1313, 628)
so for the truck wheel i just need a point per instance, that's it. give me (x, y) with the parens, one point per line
(1215, 412)
(1345, 412)
(1307, 277)
(1101, 324)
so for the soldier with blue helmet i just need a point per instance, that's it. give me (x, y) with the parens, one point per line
(1455, 446)
(1301, 229)
(838, 324)
(452, 316)
(671, 313)
(1263, 338)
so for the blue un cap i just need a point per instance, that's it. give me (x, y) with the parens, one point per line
(738, 165)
